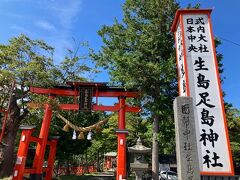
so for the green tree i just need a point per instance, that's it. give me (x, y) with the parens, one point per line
(28, 62)
(21, 62)
(139, 53)
(233, 122)
(106, 141)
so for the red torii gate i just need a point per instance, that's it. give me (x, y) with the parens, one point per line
(72, 89)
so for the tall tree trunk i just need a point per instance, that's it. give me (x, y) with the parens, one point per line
(155, 148)
(86, 162)
(98, 161)
(68, 166)
(8, 153)
(12, 125)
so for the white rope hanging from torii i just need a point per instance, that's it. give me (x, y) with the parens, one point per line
(96, 126)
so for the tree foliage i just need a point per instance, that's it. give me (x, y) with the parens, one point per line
(139, 52)
(233, 122)
(23, 61)
(29, 62)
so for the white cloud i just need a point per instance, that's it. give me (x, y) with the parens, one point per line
(55, 17)
(65, 11)
(45, 25)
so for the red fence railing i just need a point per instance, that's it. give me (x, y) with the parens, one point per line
(77, 170)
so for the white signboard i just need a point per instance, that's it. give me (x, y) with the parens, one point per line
(203, 84)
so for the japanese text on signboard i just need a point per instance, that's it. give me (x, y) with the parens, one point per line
(204, 88)
(85, 99)
(180, 62)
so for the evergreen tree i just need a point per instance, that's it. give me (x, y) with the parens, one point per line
(139, 53)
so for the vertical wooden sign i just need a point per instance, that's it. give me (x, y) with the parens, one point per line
(198, 77)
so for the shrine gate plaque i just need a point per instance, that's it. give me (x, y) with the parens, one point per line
(85, 98)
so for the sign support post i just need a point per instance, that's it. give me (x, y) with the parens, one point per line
(186, 147)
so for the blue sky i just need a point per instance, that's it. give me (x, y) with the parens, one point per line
(59, 21)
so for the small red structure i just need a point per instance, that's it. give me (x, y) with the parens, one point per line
(85, 91)
(110, 160)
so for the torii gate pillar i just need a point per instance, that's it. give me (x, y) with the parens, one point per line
(121, 133)
(41, 146)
